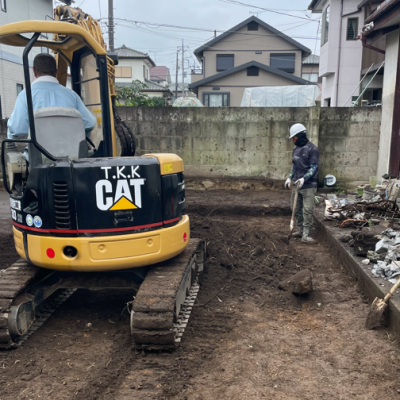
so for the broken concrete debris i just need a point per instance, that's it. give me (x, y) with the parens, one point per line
(299, 283)
(386, 257)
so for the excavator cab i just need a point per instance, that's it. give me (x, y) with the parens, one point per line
(77, 204)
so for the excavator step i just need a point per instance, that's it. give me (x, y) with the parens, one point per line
(161, 307)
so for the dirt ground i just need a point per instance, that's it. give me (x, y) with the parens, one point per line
(246, 339)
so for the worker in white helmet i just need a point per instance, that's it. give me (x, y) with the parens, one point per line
(304, 174)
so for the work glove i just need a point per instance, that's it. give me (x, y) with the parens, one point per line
(299, 183)
(288, 183)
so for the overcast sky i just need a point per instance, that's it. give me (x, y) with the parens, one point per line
(160, 42)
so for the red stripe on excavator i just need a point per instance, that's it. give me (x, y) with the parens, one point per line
(131, 228)
(171, 221)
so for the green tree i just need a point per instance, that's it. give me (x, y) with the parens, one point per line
(133, 95)
(159, 101)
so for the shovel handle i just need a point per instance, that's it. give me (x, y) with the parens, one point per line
(392, 290)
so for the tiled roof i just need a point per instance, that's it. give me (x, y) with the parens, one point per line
(199, 51)
(127, 52)
(247, 65)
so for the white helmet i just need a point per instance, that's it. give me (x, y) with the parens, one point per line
(296, 129)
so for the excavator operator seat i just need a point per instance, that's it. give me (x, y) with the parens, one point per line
(60, 130)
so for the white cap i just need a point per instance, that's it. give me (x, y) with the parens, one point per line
(296, 129)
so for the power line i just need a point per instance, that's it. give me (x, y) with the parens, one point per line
(156, 26)
(238, 3)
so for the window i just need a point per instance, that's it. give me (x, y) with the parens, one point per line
(252, 71)
(284, 61)
(252, 26)
(224, 61)
(310, 77)
(258, 52)
(20, 88)
(3, 5)
(144, 71)
(325, 25)
(352, 29)
(216, 99)
(123, 72)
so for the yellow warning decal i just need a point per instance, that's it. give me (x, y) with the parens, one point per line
(123, 204)
(168, 169)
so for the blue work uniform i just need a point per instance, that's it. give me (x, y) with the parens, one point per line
(46, 92)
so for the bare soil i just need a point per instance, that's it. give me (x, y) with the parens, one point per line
(246, 339)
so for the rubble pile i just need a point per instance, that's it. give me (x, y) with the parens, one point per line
(386, 257)
(372, 207)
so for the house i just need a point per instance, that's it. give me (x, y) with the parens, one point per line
(132, 65)
(310, 71)
(250, 54)
(382, 25)
(161, 75)
(135, 65)
(344, 62)
(11, 70)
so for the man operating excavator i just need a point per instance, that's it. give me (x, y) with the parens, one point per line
(46, 92)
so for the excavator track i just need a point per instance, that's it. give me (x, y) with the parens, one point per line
(165, 299)
(13, 281)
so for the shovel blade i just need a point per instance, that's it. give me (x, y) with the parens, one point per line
(374, 318)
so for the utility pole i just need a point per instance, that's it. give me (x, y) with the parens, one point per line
(176, 77)
(183, 70)
(111, 24)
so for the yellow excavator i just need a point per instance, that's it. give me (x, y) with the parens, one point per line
(86, 213)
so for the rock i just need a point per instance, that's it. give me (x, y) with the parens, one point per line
(364, 242)
(383, 245)
(345, 238)
(390, 233)
(375, 257)
(299, 283)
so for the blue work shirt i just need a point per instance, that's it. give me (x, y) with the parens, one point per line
(46, 92)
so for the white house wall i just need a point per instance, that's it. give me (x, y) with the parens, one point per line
(137, 70)
(346, 70)
(11, 71)
(389, 87)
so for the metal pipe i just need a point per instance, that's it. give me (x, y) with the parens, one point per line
(359, 84)
(28, 89)
(366, 87)
(339, 48)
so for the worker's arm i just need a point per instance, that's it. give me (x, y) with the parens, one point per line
(310, 172)
(291, 175)
(18, 124)
(89, 120)
(314, 158)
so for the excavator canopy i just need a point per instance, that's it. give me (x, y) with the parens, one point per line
(71, 37)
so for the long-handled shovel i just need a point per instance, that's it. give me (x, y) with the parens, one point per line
(378, 306)
(296, 195)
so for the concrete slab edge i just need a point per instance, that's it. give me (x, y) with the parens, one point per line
(370, 286)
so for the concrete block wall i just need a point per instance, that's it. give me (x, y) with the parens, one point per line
(349, 142)
(253, 142)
